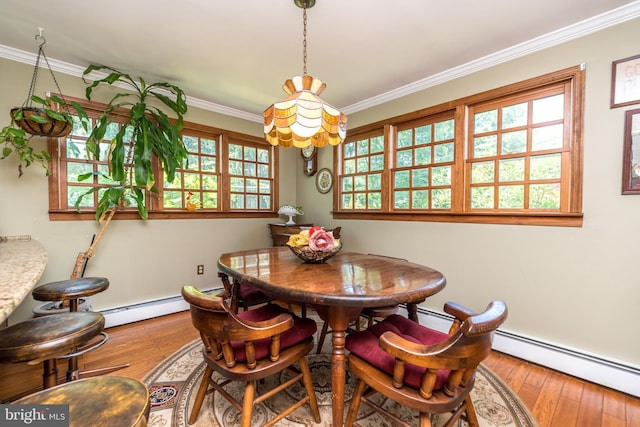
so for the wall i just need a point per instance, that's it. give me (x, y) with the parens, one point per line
(143, 260)
(575, 287)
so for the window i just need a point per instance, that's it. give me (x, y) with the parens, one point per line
(364, 163)
(228, 174)
(196, 182)
(424, 161)
(249, 171)
(512, 155)
(517, 148)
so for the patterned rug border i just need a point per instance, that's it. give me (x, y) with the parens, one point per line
(520, 410)
(521, 414)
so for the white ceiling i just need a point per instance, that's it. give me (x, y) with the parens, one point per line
(233, 56)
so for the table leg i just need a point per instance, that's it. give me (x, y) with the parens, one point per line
(338, 376)
(412, 312)
(339, 319)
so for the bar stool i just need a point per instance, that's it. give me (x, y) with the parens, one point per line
(71, 291)
(45, 339)
(98, 402)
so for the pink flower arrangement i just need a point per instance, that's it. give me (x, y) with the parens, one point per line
(321, 240)
(316, 238)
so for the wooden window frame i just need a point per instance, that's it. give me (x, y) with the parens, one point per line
(227, 177)
(384, 173)
(570, 213)
(58, 211)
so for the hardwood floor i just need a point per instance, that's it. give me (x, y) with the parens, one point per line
(554, 399)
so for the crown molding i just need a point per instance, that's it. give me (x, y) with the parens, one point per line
(76, 71)
(580, 29)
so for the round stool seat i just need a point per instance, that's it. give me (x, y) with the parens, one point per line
(48, 337)
(99, 401)
(70, 289)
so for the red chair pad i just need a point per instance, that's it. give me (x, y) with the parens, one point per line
(365, 345)
(251, 293)
(301, 330)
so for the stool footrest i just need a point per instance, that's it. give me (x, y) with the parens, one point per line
(87, 349)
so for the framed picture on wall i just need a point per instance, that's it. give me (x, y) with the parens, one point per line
(625, 81)
(324, 180)
(631, 154)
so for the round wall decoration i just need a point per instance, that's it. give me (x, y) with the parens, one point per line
(324, 180)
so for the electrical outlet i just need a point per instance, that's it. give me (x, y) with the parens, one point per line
(201, 269)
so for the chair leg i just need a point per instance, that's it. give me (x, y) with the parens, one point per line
(425, 419)
(247, 404)
(369, 322)
(355, 403)
(308, 385)
(202, 392)
(472, 418)
(323, 335)
(412, 312)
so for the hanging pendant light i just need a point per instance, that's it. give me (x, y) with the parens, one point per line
(303, 118)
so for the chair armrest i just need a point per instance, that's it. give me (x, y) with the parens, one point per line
(266, 328)
(416, 354)
(489, 320)
(459, 312)
(193, 295)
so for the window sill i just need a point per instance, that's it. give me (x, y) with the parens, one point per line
(55, 215)
(544, 219)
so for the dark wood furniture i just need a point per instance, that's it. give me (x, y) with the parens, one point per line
(338, 289)
(49, 338)
(70, 292)
(370, 314)
(242, 294)
(310, 160)
(98, 402)
(248, 347)
(420, 368)
(280, 233)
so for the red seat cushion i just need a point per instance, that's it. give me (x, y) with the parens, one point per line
(301, 330)
(251, 293)
(365, 345)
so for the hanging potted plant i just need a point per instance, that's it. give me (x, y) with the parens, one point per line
(44, 117)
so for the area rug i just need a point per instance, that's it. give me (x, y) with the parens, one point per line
(174, 383)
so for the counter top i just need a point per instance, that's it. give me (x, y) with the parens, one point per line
(22, 262)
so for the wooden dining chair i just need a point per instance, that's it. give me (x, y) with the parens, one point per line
(242, 294)
(250, 346)
(420, 368)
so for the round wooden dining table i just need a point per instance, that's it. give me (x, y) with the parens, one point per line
(337, 289)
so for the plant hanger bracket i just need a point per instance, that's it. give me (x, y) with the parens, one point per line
(34, 78)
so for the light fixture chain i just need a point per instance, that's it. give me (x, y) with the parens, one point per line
(304, 41)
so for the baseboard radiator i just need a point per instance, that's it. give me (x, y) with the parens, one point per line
(599, 370)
